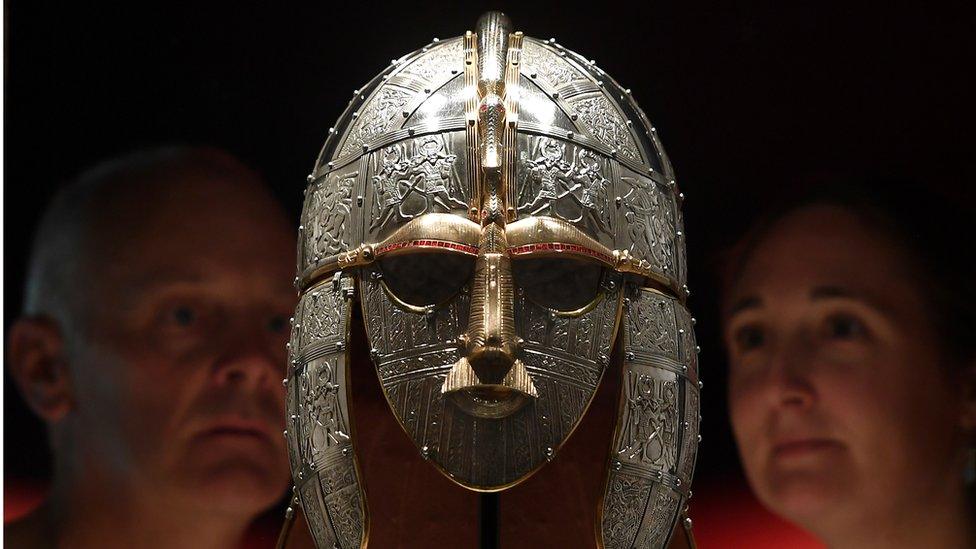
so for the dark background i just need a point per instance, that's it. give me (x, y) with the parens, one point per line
(746, 97)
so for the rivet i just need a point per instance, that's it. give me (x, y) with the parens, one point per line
(406, 114)
(555, 95)
(411, 131)
(435, 40)
(688, 519)
(310, 178)
(284, 382)
(570, 135)
(617, 465)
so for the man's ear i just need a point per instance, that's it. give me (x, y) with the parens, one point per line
(40, 369)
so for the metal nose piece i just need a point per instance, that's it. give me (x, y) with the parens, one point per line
(491, 345)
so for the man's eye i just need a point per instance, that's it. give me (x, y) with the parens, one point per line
(278, 324)
(845, 327)
(748, 338)
(184, 316)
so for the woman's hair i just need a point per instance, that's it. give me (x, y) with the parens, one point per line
(935, 234)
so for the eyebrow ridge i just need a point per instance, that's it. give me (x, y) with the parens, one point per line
(750, 302)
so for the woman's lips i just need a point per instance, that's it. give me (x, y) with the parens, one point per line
(803, 447)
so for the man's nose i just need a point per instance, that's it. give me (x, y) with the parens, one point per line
(248, 363)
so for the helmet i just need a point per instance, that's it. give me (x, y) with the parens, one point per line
(503, 214)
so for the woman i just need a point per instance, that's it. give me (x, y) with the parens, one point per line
(850, 322)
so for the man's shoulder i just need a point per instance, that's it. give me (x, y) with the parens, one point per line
(28, 532)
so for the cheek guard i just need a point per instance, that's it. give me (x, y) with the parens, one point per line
(504, 212)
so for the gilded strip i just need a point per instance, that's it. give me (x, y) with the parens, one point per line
(509, 145)
(471, 117)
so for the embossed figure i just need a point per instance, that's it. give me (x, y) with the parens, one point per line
(328, 425)
(573, 191)
(407, 187)
(649, 219)
(650, 432)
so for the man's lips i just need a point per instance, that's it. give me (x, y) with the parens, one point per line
(237, 427)
(800, 447)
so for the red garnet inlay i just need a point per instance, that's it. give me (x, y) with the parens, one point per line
(464, 248)
(558, 247)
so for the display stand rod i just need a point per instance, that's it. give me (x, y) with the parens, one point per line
(489, 520)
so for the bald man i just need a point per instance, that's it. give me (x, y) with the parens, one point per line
(153, 346)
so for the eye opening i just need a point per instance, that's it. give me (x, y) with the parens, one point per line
(424, 279)
(278, 324)
(184, 315)
(748, 337)
(845, 327)
(562, 284)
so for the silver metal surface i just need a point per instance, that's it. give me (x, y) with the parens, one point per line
(656, 439)
(512, 157)
(319, 433)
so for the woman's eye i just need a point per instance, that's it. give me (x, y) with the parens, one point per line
(748, 338)
(845, 327)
